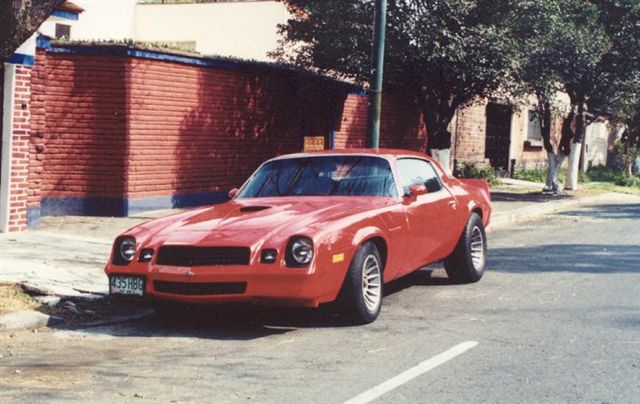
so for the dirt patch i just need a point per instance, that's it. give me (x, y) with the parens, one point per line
(13, 298)
(75, 313)
(78, 313)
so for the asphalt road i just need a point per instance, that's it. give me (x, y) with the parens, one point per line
(555, 319)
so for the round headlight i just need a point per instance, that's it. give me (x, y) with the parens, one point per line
(127, 248)
(300, 251)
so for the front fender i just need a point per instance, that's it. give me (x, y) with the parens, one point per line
(366, 233)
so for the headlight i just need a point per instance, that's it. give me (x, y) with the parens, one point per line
(299, 252)
(125, 250)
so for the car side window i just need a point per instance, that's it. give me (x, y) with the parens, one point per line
(418, 172)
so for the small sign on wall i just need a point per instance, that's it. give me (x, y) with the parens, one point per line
(313, 143)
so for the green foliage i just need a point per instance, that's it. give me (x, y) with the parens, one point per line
(589, 49)
(628, 151)
(602, 174)
(537, 174)
(442, 54)
(598, 174)
(478, 171)
(147, 45)
(628, 181)
(612, 176)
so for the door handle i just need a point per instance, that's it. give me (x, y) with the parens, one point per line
(452, 204)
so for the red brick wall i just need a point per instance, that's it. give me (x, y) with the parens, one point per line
(468, 133)
(352, 130)
(401, 125)
(78, 147)
(126, 128)
(194, 129)
(20, 151)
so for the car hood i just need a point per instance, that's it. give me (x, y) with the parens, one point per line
(245, 222)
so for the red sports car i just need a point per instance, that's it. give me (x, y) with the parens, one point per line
(312, 228)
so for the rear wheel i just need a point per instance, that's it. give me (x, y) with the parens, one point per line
(466, 262)
(361, 294)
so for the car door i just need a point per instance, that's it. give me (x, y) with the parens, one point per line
(431, 216)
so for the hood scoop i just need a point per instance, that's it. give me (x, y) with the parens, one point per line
(254, 208)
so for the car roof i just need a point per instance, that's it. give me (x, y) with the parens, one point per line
(385, 153)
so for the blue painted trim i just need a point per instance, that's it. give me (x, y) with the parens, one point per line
(138, 205)
(106, 49)
(119, 50)
(361, 93)
(43, 42)
(67, 15)
(91, 206)
(332, 134)
(33, 217)
(20, 59)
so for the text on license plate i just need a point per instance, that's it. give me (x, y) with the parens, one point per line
(126, 285)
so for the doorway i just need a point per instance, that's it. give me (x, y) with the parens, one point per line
(498, 135)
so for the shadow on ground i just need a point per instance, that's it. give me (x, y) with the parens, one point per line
(525, 197)
(611, 211)
(578, 258)
(242, 321)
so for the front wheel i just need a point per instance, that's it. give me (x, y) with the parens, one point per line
(466, 262)
(361, 294)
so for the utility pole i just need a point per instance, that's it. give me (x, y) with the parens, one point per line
(377, 67)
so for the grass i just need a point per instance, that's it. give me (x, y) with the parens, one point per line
(611, 187)
(596, 178)
(13, 298)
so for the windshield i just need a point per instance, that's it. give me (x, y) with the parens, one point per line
(322, 175)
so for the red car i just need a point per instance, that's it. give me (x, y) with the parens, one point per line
(312, 228)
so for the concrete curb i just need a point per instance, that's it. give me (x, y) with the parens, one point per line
(25, 319)
(31, 319)
(538, 209)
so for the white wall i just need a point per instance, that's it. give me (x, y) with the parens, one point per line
(7, 140)
(241, 29)
(597, 141)
(105, 19)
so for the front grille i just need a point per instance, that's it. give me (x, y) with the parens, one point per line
(188, 256)
(193, 289)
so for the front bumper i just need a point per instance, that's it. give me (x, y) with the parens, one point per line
(263, 283)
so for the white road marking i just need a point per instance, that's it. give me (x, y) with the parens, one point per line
(411, 374)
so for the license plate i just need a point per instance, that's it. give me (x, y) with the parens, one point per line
(126, 285)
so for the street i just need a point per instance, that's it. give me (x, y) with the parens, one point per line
(556, 318)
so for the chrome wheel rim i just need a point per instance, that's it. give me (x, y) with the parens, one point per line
(371, 282)
(477, 248)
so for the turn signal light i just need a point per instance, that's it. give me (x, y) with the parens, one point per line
(269, 256)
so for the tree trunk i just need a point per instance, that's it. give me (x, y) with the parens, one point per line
(438, 135)
(555, 161)
(576, 148)
(554, 158)
(19, 19)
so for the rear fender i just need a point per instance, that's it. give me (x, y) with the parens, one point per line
(479, 189)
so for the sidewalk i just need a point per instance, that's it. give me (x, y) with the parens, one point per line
(66, 255)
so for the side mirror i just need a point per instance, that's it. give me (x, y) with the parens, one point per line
(417, 190)
(233, 193)
(413, 192)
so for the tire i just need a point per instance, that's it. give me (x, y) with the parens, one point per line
(362, 291)
(466, 262)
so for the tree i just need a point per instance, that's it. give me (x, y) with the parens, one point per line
(19, 19)
(586, 49)
(442, 54)
(626, 112)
